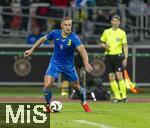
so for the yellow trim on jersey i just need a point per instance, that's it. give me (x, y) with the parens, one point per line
(115, 39)
(65, 36)
(80, 45)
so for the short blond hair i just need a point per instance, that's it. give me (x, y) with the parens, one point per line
(65, 18)
(116, 17)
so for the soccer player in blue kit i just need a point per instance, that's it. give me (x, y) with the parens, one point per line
(62, 61)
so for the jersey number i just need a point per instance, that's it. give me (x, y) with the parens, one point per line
(69, 42)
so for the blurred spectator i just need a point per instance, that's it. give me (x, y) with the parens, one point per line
(59, 11)
(80, 3)
(35, 35)
(79, 14)
(136, 8)
(104, 15)
(40, 8)
(126, 2)
(15, 6)
(89, 28)
(89, 3)
(148, 7)
(105, 2)
(16, 18)
(25, 5)
(62, 3)
(64, 88)
(6, 18)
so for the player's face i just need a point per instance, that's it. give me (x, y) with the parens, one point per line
(115, 23)
(66, 26)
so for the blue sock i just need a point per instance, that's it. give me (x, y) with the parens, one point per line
(47, 94)
(82, 94)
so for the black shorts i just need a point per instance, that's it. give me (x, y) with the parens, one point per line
(114, 63)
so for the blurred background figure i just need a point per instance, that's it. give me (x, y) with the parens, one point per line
(6, 17)
(60, 3)
(64, 88)
(25, 11)
(16, 20)
(136, 9)
(34, 36)
(42, 10)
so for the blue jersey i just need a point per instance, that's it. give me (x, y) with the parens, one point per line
(64, 48)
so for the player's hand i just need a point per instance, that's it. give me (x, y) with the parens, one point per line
(28, 53)
(125, 62)
(107, 47)
(88, 68)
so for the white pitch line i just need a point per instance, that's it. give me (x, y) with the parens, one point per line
(93, 124)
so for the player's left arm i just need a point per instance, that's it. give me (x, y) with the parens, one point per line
(85, 58)
(125, 51)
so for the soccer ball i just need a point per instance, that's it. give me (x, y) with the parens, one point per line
(56, 106)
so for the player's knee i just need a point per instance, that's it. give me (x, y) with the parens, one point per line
(76, 85)
(119, 76)
(47, 84)
(111, 77)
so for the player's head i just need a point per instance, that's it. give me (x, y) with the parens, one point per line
(115, 21)
(66, 25)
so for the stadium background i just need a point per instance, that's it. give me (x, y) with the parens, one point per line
(21, 79)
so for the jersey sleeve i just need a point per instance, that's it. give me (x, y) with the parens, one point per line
(77, 41)
(50, 35)
(103, 37)
(124, 39)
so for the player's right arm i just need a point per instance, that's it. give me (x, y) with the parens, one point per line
(36, 45)
(105, 46)
(104, 43)
(49, 36)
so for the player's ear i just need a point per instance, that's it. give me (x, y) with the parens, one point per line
(61, 25)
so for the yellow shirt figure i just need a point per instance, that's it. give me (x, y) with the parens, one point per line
(115, 39)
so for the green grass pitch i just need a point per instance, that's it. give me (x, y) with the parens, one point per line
(104, 115)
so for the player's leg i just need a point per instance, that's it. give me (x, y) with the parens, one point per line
(81, 92)
(71, 75)
(114, 87)
(122, 86)
(48, 82)
(120, 78)
(51, 74)
(110, 59)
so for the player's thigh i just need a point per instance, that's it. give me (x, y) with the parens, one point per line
(110, 63)
(118, 67)
(118, 63)
(48, 80)
(71, 75)
(52, 71)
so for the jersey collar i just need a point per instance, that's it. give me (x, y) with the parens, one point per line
(65, 36)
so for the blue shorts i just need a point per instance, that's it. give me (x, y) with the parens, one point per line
(70, 74)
